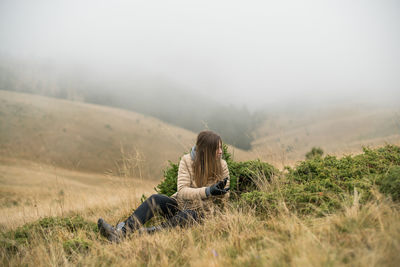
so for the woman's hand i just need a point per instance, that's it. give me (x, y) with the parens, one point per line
(217, 189)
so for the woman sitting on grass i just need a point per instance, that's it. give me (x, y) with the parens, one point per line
(200, 181)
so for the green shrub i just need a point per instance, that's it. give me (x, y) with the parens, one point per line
(169, 185)
(390, 183)
(295, 197)
(44, 228)
(72, 224)
(48, 224)
(320, 185)
(264, 202)
(315, 152)
(76, 245)
(11, 246)
(244, 175)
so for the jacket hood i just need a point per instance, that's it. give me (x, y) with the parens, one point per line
(193, 152)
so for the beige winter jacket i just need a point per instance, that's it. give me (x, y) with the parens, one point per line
(188, 195)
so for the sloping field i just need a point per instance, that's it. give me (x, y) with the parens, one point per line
(87, 137)
(285, 138)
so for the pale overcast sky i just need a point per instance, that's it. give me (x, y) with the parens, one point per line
(243, 52)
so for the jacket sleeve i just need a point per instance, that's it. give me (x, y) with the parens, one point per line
(185, 191)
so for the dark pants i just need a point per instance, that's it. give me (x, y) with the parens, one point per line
(167, 207)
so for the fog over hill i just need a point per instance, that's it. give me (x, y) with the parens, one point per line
(224, 65)
(254, 53)
(148, 95)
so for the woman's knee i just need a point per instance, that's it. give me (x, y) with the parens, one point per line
(159, 198)
(164, 202)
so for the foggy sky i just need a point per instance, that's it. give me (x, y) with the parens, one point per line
(243, 52)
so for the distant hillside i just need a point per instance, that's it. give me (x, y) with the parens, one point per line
(87, 137)
(287, 136)
(146, 94)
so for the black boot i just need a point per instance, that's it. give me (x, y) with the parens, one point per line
(109, 232)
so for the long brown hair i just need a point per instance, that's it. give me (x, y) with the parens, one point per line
(207, 168)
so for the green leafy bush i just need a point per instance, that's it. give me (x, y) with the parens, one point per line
(45, 227)
(264, 202)
(244, 175)
(169, 185)
(390, 183)
(315, 152)
(295, 197)
(76, 245)
(320, 185)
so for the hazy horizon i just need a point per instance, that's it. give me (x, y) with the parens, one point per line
(252, 53)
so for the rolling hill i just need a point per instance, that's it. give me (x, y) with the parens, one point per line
(286, 137)
(86, 137)
(92, 138)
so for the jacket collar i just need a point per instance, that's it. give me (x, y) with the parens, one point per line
(193, 152)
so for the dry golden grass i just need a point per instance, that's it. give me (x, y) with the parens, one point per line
(359, 235)
(366, 235)
(30, 191)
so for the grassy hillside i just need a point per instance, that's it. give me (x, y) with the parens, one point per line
(275, 230)
(286, 137)
(30, 191)
(87, 137)
(93, 138)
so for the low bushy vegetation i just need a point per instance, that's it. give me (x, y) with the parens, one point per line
(76, 245)
(321, 186)
(315, 152)
(390, 183)
(169, 185)
(49, 228)
(324, 211)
